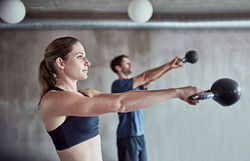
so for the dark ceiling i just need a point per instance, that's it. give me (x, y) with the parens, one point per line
(179, 9)
(41, 14)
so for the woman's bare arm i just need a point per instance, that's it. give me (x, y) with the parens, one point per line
(63, 103)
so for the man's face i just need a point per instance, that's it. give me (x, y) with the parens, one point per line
(126, 66)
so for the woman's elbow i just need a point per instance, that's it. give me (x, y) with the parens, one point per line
(120, 106)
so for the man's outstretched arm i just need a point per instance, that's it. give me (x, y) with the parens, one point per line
(151, 75)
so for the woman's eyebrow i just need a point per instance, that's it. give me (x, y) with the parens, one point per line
(79, 53)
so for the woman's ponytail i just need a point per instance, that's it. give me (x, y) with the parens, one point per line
(46, 78)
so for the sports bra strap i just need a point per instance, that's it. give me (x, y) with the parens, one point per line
(60, 89)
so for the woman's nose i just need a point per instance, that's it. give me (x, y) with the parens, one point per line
(87, 62)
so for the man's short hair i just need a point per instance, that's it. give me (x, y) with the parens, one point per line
(117, 61)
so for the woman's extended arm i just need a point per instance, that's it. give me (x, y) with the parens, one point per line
(74, 104)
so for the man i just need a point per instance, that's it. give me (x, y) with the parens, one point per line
(130, 131)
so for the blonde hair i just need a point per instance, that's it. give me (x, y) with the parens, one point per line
(59, 47)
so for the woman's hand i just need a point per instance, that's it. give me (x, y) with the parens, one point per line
(186, 92)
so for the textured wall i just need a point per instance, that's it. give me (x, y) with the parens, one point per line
(174, 130)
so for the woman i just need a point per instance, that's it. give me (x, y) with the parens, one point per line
(70, 116)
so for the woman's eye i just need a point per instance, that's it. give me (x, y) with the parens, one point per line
(79, 57)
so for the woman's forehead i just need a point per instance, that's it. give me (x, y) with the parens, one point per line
(78, 48)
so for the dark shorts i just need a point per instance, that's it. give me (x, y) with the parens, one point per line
(132, 148)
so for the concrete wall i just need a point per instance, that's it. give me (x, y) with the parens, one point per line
(175, 131)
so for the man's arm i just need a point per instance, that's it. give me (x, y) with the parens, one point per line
(149, 76)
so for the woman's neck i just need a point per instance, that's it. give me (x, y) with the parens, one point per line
(67, 85)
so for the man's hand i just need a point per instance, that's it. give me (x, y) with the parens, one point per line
(173, 64)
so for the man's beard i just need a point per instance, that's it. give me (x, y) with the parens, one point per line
(126, 71)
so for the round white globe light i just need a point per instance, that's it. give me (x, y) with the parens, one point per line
(12, 11)
(140, 11)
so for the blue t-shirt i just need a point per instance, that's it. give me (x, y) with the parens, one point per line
(130, 123)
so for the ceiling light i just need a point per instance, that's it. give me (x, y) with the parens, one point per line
(12, 11)
(140, 11)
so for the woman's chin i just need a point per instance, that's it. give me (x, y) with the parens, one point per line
(84, 77)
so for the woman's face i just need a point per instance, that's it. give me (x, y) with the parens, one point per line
(76, 64)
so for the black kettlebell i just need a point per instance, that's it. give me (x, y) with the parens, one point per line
(225, 91)
(190, 57)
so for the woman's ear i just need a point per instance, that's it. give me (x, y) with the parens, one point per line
(60, 63)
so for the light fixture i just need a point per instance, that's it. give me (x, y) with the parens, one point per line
(12, 11)
(140, 11)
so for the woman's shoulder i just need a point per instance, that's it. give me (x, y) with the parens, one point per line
(50, 95)
(53, 97)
